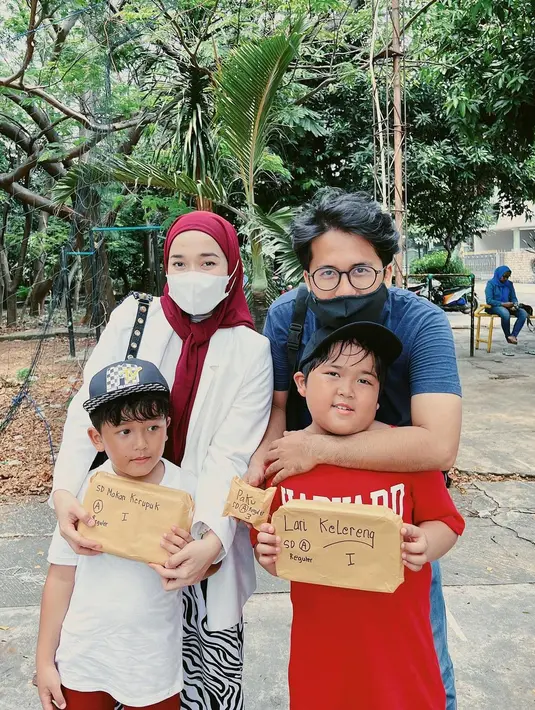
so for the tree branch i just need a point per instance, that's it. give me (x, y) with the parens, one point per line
(76, 115)
(62, 33)
(13, 133)
(37, 115)
(17, 273)
(416, 16)
(30, 46)
(17, 135)
(313, 92)
(27, 197)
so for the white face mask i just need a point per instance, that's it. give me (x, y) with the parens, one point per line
(196, 293)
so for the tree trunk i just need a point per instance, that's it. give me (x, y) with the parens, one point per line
(259, 282)
(259, 310)
(3, 284)
(148, 267)
(88, 204)
(125, 280)
(11, 308)
(11, 284)
(449, 254)
(39, 293)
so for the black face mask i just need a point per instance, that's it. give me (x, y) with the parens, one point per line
(337, 312)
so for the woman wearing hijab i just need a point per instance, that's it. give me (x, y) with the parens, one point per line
(200, 335)
(500, 295)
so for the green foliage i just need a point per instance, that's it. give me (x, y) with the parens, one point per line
(437, 262)
(240, 109)
(246, 89)
(22, 293)
(23, 373)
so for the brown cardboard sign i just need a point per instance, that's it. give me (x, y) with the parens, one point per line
(248, 503)
(340, 545)
(131, 517)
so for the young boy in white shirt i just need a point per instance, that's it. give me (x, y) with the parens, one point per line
(109, 632)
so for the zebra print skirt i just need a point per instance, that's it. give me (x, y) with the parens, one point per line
(212, 660)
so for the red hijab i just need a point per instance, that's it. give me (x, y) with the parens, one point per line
(231, 312)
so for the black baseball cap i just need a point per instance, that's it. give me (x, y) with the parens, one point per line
(123, 378)
(372, 336)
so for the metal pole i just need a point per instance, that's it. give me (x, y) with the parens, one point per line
(399, 211)
(68, 307)
(472, 319)
(95, 317)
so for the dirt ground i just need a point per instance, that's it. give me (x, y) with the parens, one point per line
(26, 462)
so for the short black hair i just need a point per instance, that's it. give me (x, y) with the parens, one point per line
(351, 212)
(136, 407)
(335, 350)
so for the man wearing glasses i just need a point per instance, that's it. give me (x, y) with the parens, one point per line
(346, 244)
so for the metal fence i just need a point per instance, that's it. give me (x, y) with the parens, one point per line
(483, 265)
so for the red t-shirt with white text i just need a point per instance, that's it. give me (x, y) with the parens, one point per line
(357, 650)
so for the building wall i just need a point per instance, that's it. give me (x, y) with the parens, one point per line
(494, 241)
(522, 265)
(483, 264)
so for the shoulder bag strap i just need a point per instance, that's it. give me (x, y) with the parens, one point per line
(143, 302)
(295, 336)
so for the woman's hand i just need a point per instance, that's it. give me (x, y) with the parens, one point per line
(414, 547)
(69, 512)
(176, 540)
(267, 548)
(49, 686)
(191, 564)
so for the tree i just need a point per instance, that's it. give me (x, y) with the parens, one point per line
(481, 54)
(52, 105)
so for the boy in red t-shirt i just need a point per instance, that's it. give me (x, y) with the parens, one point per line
(351, 649)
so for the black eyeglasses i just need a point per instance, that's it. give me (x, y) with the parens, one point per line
(362, 277)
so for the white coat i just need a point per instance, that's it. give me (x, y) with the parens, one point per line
(228, 421)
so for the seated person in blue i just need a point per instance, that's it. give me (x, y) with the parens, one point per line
(501, 297)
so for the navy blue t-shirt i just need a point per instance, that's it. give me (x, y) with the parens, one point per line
(426, 365)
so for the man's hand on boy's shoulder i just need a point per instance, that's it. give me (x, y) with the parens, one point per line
(295, 453)
(298, 452)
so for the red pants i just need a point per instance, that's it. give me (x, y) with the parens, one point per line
(76, 700)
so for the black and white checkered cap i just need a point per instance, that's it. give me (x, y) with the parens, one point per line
(123, 378)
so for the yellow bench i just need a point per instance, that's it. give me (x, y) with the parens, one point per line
(479, 314)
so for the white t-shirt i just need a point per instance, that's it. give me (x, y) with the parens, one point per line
(122, 633)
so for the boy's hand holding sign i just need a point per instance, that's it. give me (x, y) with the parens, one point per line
(252, 505)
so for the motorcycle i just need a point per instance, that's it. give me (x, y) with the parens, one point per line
(449, 299)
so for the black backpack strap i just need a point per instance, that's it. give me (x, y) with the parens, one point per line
(143, 302)
(295, 336)
(295, 332)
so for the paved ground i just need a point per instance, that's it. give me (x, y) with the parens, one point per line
(489, 577)
(498, 407)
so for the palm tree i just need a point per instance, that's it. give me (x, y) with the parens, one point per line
(245, 89)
